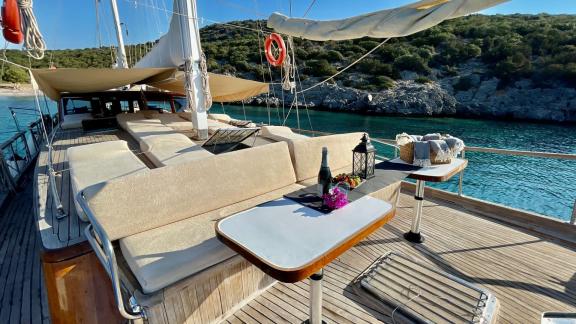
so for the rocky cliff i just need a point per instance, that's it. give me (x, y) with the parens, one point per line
(443, 97)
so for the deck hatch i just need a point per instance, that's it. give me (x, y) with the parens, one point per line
(414, 292)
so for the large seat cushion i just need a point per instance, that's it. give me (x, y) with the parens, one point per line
(171, 149)
(94, 163)
(307, 154)
(220, 117)
(162, 256)
(139, 129)
(281, 133)
(166, 195)
(175, 122)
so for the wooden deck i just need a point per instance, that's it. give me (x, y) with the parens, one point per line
(22, 293)
(528, 273)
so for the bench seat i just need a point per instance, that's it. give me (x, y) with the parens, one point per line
(171, 149)
(94, 163)
(165, 255)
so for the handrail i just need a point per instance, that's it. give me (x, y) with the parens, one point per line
(104, 250)
(391, 142)
(566, 156)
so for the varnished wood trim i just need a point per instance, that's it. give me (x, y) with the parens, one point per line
(62, 254)
(443, 178)
(296, 275)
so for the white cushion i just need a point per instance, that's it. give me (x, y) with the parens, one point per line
(75, 120)
(220, 117)
(280, 133)
(175, 122)
(94, 163)
(171, 149)
(164, 255)
(147, 127)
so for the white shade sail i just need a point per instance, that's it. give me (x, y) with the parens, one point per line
(398, 22)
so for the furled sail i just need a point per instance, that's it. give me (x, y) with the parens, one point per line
(398, 22)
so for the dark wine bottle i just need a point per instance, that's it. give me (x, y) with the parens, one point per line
(324, 176)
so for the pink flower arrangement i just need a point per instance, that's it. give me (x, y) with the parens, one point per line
(335, 199)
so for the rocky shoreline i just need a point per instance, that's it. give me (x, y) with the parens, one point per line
(521, 100)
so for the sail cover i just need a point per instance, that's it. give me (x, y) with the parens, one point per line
(223, 88)
(398, 22)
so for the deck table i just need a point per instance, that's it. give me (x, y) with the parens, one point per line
(291, 242)
(434, 173)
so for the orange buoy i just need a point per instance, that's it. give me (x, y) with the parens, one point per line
(277, 39)
(11, 25)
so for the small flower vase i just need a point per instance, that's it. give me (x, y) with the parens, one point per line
(337, 197)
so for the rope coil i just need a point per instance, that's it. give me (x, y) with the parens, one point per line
(34, 43)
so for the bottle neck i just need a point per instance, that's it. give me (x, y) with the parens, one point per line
(324, 159)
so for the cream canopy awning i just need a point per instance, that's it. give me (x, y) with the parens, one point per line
(223, 88)
(54, 82)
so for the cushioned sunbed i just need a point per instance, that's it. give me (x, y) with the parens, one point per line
(171, 149)
(94, 163)
(280, 133)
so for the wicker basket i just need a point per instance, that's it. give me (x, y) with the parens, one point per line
(407, 152)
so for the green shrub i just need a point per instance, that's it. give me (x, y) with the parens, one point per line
(320, 68)
(383, 82)
(411, 63)
(422, 80)
(15, 75)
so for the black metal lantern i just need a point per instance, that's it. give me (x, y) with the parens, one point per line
(364, 159)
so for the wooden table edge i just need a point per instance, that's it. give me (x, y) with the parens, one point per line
(291, 276)
(443, 178)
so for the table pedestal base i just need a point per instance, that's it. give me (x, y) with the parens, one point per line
(316, 298)
(414, 237)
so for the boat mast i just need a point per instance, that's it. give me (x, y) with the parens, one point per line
(121, 53)
(192, 56)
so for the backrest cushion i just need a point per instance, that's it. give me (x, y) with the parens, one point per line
(307, 153)
(165, 195)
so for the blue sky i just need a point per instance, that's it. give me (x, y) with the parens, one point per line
(72, 23)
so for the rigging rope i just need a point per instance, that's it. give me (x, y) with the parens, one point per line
(34, 43)
(309, 7)
(347, 67)
(205, 82)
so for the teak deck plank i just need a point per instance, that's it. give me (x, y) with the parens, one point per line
(22, 296)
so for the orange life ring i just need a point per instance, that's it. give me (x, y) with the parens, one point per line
(277, 39)
(11, 26)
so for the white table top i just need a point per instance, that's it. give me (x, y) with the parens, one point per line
(440, 171)
(288, 236)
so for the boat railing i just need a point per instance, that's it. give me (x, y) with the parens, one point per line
(392, 143)
(17, 154)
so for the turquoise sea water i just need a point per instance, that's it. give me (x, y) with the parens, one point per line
(26, 113)
(545, 186)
